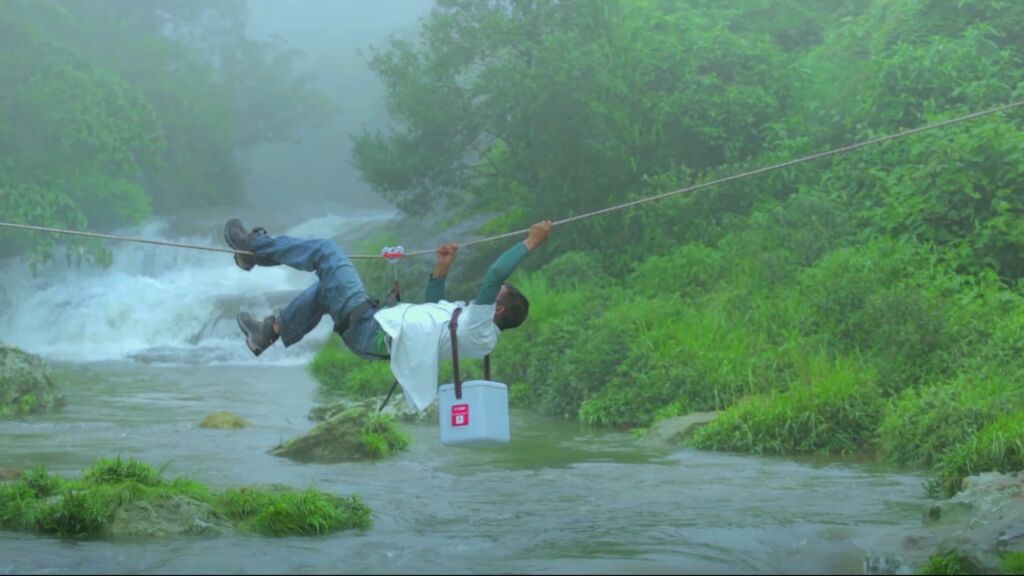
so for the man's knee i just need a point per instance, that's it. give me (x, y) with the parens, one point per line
(329, 251)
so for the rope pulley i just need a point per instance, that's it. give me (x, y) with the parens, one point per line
(391, 255)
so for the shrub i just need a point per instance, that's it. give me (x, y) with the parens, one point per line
(18, 505)
(807, 225)
(687, 271)
(992, 321)
(578, 270)
(381, 437)
(697, 358)
(869, 298)
(74, 515)
(631, 401)
(952, 562)
(836, 411)
(113, 471)
(838, 287)
(292, 512)
(40, 482)
(999, 447)
(1012, 563)
(599, 348)
(923, 424)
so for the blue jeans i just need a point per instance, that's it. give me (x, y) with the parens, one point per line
(337, 291)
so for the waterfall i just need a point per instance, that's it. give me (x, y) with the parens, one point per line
(158, 304)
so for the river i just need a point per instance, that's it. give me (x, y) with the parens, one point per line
(557, 499)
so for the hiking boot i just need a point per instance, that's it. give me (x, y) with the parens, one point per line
(259, 334)
(239, 238)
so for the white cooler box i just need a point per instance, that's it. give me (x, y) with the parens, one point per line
(479, 417)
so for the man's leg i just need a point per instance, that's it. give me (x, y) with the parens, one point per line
(299, 318)
(307, 255)
(338, 291)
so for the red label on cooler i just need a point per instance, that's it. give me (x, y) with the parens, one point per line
(460, 415)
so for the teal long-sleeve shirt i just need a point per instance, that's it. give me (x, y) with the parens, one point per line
(491, 285)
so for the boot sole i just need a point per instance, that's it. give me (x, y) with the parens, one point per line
(238, 257)
(248, 338)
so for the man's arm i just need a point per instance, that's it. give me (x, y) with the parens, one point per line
(435, 285)
(507, 262)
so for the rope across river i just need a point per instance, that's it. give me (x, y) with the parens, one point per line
(679, 192)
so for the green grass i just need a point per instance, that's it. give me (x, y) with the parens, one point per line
(382, 437)
(114, 471)
(74, 515)
(82, 508)
(293, 512)
(834, 412)
(40, 482)
(18, 506)
(341, 372)
(923, 424)
(952, 562)
(999, 446)
(1012, 563)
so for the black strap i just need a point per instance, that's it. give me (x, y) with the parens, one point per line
(453, 327)
(394, 295)
(388, 397)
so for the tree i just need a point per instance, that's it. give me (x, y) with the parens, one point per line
(551, 108)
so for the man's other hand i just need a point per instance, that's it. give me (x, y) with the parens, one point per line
(538, 234)
(445, 257)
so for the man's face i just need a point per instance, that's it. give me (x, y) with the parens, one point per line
(499, 308)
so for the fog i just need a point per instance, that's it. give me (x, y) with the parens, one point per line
(334, 36)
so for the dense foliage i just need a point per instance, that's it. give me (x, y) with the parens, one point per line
(865, 303)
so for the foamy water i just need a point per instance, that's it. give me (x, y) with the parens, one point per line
(158, 304)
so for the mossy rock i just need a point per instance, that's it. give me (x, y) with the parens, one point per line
(980, 530)
(9, 474)
(26, 385)
(175, 515)
(223, 420)
(675, 431)
(352, 435)
(127, 498)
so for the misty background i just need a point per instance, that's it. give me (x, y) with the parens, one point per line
(334, 35)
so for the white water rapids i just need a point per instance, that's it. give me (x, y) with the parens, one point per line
(158, 304)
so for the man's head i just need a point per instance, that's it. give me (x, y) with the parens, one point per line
(511, 307)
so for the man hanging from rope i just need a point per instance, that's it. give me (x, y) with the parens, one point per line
(414, 337)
